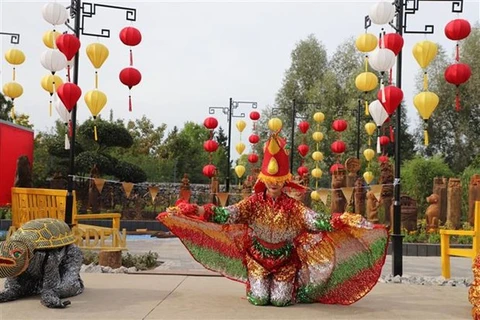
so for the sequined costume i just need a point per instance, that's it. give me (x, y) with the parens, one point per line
(284, 251)
(474, 290)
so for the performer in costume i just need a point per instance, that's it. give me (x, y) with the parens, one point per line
(285, 252)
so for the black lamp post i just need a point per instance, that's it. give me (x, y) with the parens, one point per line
(79, 11)
(357, 113)
(229, 111)
(14, 37)
(403, 10)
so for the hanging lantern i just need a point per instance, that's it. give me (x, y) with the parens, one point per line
(458, 29)
(65, 116)
(303, 149)
(240, 147)
(315, 195)
(382, 60)
(130, 36)
(369, 154)
(12, 90)
(384, 140)
(97, 54)
(366, 42)
(275, 124)
(383, 159)
(302, 170)
(68, 44)
(390, 98)
(317, 136)
(317, 156)
(50, 83)
(394, 42)
(318, 117)
(424, 52)
(339, 125)
(253, 138)
(382, 12)
(303, 126)
(210, 145)
(210, 123)
(95, 100)
(370, 129)
(379, 115)
(239, 170)
(426, 102)
(368, 176)
(241, 125)
(457, 74)
(209, 170)
(69, 93)
(317, 173)
(254, 115)
(49, 38)
(253, 158)
(54, 13)
(338, 147)
(336, 167)
(366, 81)
(15, 56)
(130, 77)
(53, 60)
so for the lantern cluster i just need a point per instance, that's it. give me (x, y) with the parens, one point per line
(425, 102)
(366, 81)
(303, 148)
(130, 76)
(210, 146)
(338, 147)
(13, 89)
(457, 73)
(240, 147)
(317, 156)
(253, 138)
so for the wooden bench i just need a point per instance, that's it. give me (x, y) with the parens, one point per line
(32, 203)
(446, 251)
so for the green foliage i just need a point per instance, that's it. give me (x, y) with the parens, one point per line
(109, 134)
(6, 106)
(144, 261)
(6, 212)
(465, 180)
(129, 172)
(417, 177)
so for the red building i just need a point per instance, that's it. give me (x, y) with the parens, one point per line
(15, 141)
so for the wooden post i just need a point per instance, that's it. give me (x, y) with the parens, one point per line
(454, 205)
(386, 197)
(338, 203)
(110, 258)
(440, 189)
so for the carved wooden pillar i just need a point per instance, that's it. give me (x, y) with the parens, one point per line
(359, 196)
(454, 206)
(94, 203)
(440, 189)
(473, 195)
(338, 203)
(386, 197)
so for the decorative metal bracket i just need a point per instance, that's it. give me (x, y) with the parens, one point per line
(88, 10)
(14, 37)
(236, 104)
(211, 110)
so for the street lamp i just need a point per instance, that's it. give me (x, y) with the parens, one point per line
(79, 11)
(229, 111)
(403, 10)
(14, 37)
(357, 113)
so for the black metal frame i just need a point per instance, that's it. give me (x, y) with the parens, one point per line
(229, 111)
(14, 37)
(404, 8)
(79, 12)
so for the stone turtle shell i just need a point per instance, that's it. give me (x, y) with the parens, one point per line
(45, 233)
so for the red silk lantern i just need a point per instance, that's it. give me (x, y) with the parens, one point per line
(210, 123)
(457, 74)
(252, 158)
(302, 170)
(336, 167)
(69, 93)
(383, 159)
(338, 146)
(209, 170)
(458, 29)
(130, 36)
(253, 138)
(303, 149)
(339, 125)
(303, 126)
(394, 42)
(68, 44)
(254, 115)
(210, 146)
(384, 140)
(393, 98)
(130, 77)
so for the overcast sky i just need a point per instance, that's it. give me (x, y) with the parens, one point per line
(196, 55)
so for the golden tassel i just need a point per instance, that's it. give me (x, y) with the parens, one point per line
(425, 134)
(425, 82)
(95, 132)
(366, 108)
(13, 73)
(96, 79)
(50, 107)
(13, 111)
(366, 63)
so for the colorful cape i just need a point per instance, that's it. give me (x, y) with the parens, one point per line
(338, 267)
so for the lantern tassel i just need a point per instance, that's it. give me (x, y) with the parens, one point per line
(13, 111)
(131, 58)
(367, 113)
(95, 132)
(96, 79)
(457, 101)
(50, 107)
(379, 150)
(68, 73)
(425, 135)
(70, 129)
(391, 134)
(67, 142)
(13, 74)
(382, 88)
(457, 52)
(366, 63)
(130, 103)
(390, 75)
(369, 141)
(425, 81)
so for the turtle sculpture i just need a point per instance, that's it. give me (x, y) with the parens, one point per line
(41, 258)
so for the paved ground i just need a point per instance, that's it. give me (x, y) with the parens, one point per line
(199, 295)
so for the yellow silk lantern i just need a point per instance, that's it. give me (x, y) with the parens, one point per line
(315, 195)
(239, 170)
(95, 100)
(370, 127)
(366, 42)
(275, 124)
(12, 90)
(317, 173)
(240, 147)
(369, 154)
(319, 117)
(317, 156)
(49, 38)
(368, 176)
(97, 53)
(366, 81)
(317, 136)
(50, 83)
(241, 125)
(424, 52)
(15, 56)
(426, 102)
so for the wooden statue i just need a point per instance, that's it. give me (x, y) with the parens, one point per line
(473, 195)
(338, 203)
(372, 207)
(93, 194)
(440, 188)
(432, 214)
(359, 197)
(353, 166)
(23, 174)
(454, 205)
(247, 186)
(386, 196)
(185, 192)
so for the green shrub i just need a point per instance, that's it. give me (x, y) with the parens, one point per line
(144, 261)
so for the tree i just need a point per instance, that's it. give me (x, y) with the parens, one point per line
(147, 138)
(6, 107)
